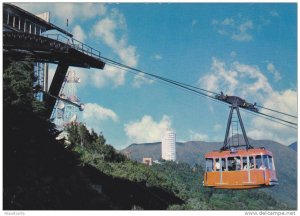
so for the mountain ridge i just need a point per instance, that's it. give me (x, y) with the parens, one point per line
(294, 146)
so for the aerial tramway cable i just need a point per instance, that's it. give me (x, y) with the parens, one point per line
(270, 119)
(172, 83)
(198, 91)
(276, 111)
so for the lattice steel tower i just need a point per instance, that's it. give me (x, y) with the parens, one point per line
(67, 112)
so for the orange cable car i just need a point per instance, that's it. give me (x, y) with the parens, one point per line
(240, 169)
(239, 166)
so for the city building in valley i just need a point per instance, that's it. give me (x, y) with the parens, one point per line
(147, 161)
(168, 145)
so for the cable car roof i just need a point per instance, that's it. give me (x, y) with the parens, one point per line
(228, 153)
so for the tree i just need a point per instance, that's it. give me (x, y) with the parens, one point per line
(93, 143)
(80, 135)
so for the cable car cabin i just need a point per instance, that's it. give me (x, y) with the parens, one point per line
(240, 169)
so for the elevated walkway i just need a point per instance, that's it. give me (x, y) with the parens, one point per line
(52, 48)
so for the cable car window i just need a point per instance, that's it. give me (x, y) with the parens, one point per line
(217, 164)
(271, 163)
(209, 165)
(237, 162)
(245, 164)
(251, 160)
(251, 163)
(259, 162)
(266, 161)
(234, 163)
(230, 163)
(224, 165)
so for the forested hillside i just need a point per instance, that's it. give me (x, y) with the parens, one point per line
(180, 178)
(41, 173)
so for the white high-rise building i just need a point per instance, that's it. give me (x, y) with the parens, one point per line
(168, 145)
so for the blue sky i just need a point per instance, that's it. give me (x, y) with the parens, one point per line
(248, 50)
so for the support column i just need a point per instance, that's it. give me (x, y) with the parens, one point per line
(55, 86)
(243, 129)
(225, 145)
(228, 128)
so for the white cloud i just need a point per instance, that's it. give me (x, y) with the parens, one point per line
(110, 75)
(67, 10)
(283, 101)
(242, 33)
(96, 113)
(228, 21)
(276, 132)
(112, 30)
(236, 29)
(78, 33)
(219, 78)
(83, 75)
(107, 30)
(246, 80)
(194, 136)
(64, 11)
(95, 116)
(147, 129)
(249, 82)
(254, 82)
(157, 57)
(194, 22)
(141, 79)
(274, 13)
(217, 127)
(271, 68)
(91, 10)
(233, 54)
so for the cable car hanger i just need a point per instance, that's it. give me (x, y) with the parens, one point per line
(235, 103)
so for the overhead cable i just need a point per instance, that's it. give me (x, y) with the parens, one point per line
(276, 111)
(270, 119)
(193, 89)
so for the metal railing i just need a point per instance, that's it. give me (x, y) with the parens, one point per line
(75, 44)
